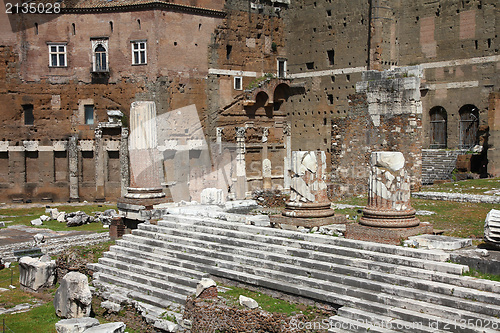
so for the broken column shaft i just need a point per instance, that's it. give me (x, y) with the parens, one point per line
(389, 193)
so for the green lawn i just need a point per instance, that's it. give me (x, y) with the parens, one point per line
(470, 186)
(25, 215)
(459, 219)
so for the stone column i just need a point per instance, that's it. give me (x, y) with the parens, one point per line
(145, 163)
(389, 193)
(241, 178)
(100, 155)
(218, 138)
(265, 134)
(124, 163)
(308, 195)
(73, 168)
(287, 132)
(266, 175)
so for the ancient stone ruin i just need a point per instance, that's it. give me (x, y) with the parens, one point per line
(308, 196)
(73, 297)
(389, 193)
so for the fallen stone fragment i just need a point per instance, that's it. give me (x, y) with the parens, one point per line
(166, 325)
(112, 307)
(35, 274)
(117, 327)
(36, 222)
(73, 297)
(204, 284)
(44, 218)
(248, 302)
(76, 325)
(39, 239)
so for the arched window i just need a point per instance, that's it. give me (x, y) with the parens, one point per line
(438, 131)
(100, 57)
(469, 123)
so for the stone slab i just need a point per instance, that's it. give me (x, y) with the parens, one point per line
(385, 235)
(441, 242)
(308, 222)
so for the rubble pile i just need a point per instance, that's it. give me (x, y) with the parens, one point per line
(270, 199)
(75, 219)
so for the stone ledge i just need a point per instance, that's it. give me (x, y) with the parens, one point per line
(458, 197)
(308, 222)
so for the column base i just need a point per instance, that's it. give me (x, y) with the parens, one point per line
(389, 218)
(308, 209)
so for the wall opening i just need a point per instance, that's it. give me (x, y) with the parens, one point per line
(331, 57)
(29, 118)
(89, 114)
(438, 128)
(469, 124)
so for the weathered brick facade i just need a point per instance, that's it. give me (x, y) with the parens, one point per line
(287, 72)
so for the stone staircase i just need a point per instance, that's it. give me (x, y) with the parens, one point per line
(379, 288)
(438, 164)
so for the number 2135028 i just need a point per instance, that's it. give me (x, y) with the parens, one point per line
(32, 8)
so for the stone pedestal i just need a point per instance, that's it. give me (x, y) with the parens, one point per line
(389, 193)
(308, 197)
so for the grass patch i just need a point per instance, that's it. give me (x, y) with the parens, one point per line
(24, 216)
(470, 186)
(477, 274)
(41, 319)
(458, 219)
(266, 302)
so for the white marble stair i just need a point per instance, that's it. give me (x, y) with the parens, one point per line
(367, 280)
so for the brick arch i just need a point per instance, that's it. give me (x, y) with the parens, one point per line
(268, 88)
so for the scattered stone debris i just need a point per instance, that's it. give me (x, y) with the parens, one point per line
(75, 219)
(270, 198)
(73, 297)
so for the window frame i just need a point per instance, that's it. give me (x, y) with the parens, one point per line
(278, 61)
(85, 108)
(236, 79)
(138, 51)
(58, 53)
(95, 44)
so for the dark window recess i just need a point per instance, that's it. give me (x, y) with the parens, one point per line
(29, 119)
(331, 57)
(89, 114)
(469, 124)
(281, 68)
(438, 139)
(229, 48)
(330, 99)
(310, 65)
